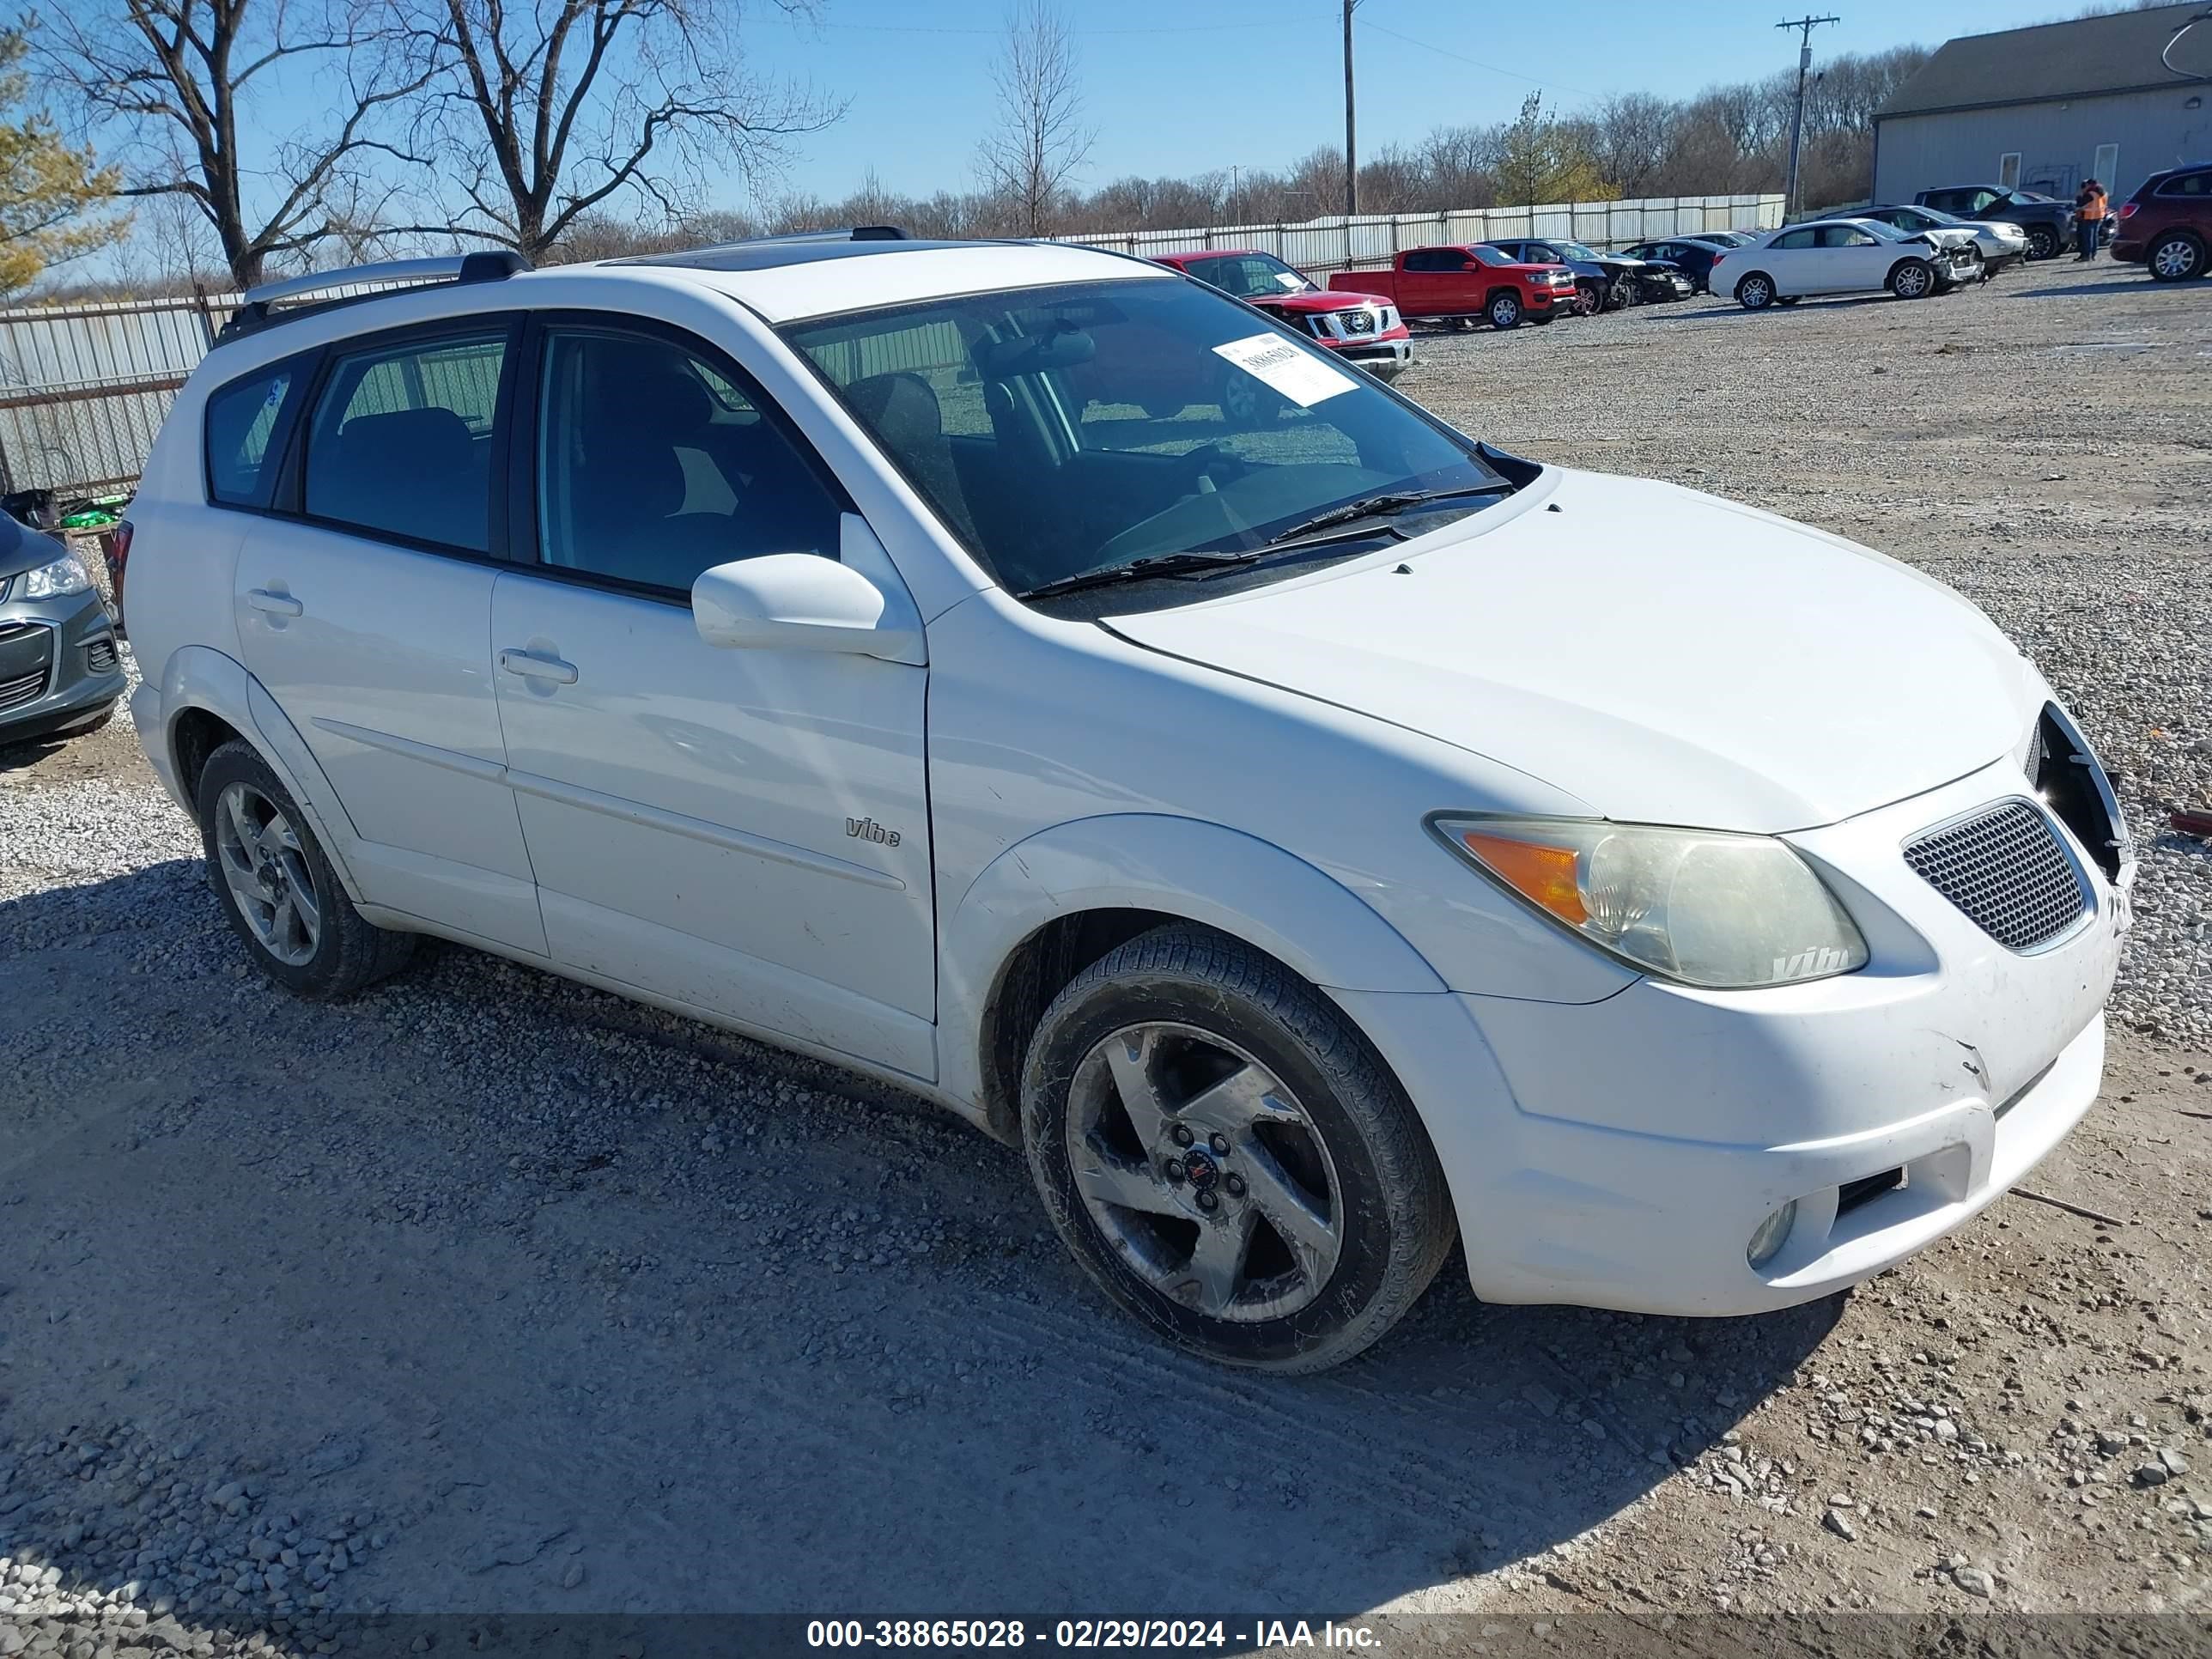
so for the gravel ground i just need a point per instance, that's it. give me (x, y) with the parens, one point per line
(486, 1293)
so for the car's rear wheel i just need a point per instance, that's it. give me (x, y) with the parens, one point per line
(2176, 257)
(1226, 1157)
(1912, 279)
(278, 887)
(1755, 292)
(2042, 242)
(1505, 311)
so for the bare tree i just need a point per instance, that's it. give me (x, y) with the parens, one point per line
(544, 112)
(1043, 140)
(170, 87)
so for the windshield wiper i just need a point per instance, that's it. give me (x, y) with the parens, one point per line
(1138, 570)
(1373, 507)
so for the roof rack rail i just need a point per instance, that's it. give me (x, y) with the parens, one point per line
(850, 234)
(255, 313)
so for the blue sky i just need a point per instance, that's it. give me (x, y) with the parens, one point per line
(1185, 88)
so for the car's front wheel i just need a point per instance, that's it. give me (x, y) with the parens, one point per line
(1226, 1155)
(278, 887)
(1912, 279)
(2176, 259)
(1505, 311)
(1755, 292)
(2042, 242)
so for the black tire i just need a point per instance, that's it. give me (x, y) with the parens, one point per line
(1589, 298)
(1504, 310)
(1755, 292)
(1388, 1210)
(348, 953)
(2176, 257)
(2042, 242)
(1912, 279)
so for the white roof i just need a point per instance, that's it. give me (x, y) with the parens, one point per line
(891, 274)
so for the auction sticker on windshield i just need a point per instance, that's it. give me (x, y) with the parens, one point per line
(1290, 371)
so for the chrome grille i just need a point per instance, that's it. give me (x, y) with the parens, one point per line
(15, 693)
(2005, 869)
(1358, 322)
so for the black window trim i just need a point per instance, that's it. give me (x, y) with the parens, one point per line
(521, 514)
(290, 499)
(305, 367)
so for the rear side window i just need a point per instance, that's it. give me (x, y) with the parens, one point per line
(2199, 185)
(401, 441)
(1795, 239)
(240, 425)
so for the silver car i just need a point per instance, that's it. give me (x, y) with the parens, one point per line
(2000, 244)
(60, 671)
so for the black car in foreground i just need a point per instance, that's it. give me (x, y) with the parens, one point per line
(60, 669)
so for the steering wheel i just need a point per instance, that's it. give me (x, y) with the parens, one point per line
(1203, 463)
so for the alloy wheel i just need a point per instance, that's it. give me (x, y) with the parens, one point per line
(1911, 281)
(2042, 242)
(2175, 259)
(267, 873)
(1204, 1172)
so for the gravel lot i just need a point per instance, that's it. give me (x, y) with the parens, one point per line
(489, 1293)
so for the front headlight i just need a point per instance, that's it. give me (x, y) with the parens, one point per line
(1705, 906)
(64, 576)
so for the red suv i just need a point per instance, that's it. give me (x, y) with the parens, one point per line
(2167, 223)
(1362, 328)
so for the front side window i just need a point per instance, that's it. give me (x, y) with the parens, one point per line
(1127, 420)
(1248, 276)
(1435, 258)
(401, 441)
(1846, 236)
(240, 420)
(653, 465)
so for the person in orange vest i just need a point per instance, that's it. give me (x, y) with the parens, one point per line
(2088, 219)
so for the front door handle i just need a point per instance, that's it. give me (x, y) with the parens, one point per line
(277, 605)
(532, 667)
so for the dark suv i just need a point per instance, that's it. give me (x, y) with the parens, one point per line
(2047, 220)
(2167, 223)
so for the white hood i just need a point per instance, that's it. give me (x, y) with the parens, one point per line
(1666, 656)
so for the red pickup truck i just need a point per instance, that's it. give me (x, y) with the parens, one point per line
(1465, 283)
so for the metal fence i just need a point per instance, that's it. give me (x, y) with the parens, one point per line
(83, 388)
(1338, 244)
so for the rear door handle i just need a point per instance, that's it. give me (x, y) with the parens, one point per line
(277, 605)
(533, 667)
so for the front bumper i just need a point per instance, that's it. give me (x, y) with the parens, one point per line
(60, 666)
(1621, 1154)
(1382, 356)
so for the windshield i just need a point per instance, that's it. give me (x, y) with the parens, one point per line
(1248, 276)
(1064, 430)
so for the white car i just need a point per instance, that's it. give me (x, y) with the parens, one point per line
(1846, 256)
(1314, 834)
